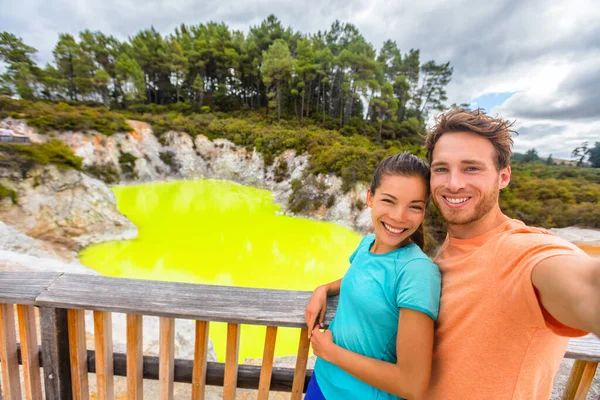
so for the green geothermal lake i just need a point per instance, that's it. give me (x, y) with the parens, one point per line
(221, 233)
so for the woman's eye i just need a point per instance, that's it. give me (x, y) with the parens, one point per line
(387, 201)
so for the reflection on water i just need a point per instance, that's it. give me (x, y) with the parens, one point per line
(221, 233)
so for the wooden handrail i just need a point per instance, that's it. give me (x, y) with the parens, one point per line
(62, 297)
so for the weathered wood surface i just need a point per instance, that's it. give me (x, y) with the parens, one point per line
(24, 287)
(30, 352)
(104, 355)
(231, 361)
(135, 357)
(267, 363)
(55, 353)
(301, 360)
(167, 357)
(247, 378)
(181, 300)
(584, 348)
(78, 354)
(11, 383)
(200, 360)
(580, 380)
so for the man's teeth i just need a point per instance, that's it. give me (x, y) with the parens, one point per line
(457, 201)
(389, 228)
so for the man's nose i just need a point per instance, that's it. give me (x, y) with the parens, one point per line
(455, 182)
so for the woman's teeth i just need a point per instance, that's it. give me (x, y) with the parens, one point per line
(392, 230)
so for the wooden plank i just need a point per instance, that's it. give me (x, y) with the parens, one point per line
(267, 363)
(55, 353)
(135, 358)
(182, 300)
(200, 360)
(78, 354)
(24, 287)
(166, 356)
(580, 380)
(11, 383)
(301, 361)
(584, 348)
(231, 361)
(29, 352)
(248, 375)
(104, 355)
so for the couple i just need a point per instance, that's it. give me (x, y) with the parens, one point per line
(505, 298)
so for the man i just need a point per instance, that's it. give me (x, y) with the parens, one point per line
(511, 294)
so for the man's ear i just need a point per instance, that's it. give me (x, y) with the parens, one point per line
(504, 177)
(369, 198)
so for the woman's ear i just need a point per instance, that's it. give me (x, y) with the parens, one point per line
(369, 198)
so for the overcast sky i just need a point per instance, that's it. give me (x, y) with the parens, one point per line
(535, 61)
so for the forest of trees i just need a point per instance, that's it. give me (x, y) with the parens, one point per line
(327, 76)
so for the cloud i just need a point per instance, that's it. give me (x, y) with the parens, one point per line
(547, 52)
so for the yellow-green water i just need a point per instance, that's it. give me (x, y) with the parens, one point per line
(221, 233)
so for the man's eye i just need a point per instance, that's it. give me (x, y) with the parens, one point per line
(472, 168)
(440, 169)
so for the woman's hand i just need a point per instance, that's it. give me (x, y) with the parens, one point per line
(317, 305)
(322, 343)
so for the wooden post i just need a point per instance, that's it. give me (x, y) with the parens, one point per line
(166, 357)
(104, 355)
(580, 380)
(29, 352)
(78, 354)
(135, 358)
(301, 361)
(200, 359)
(231, 361)
(8, 353)
(264, 383)
(55, 353)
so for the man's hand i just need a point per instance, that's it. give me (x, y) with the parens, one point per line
(322, 343)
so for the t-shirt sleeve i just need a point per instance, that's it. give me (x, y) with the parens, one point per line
(418, 285)
(533, 249)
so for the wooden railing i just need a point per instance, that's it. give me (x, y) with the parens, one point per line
(63, 298)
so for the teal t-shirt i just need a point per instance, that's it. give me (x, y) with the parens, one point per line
(373, 290)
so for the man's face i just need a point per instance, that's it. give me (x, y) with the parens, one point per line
(464, 179)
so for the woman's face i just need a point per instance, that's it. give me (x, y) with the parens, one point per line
(397, 210)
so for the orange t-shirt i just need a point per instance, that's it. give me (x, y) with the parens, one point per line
(493, 339)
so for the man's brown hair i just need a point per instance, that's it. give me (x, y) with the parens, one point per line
(496, 130)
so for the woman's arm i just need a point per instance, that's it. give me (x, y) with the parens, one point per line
(317, 305)
(408, 377)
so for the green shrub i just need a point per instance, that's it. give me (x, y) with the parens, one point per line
(8, 193)
(20, 157)
(127, 164)
(106, 173)
(168, 157)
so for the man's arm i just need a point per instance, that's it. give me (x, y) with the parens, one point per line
(569, 289)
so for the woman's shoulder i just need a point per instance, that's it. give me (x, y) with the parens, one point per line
(416, 261)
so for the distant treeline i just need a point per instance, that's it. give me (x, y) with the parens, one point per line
(328, 76)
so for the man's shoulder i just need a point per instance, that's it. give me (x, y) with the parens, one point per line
(518, 235)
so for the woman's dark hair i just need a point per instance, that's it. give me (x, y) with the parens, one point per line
(404, 164)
